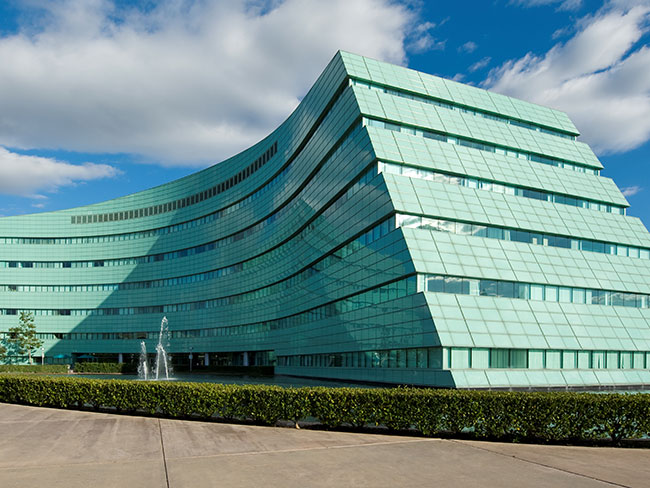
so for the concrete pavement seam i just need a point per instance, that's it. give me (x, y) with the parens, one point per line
(162, 446)
(540, 464)
(321, 448)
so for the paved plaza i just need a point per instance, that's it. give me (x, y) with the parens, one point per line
(54, 448)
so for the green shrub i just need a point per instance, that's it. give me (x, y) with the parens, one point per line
(114, 368)
(548, 417)
(34, 368)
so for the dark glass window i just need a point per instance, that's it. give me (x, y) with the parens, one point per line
(488, 288)
(506, 289)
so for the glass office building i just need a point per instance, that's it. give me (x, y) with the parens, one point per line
(396, 228)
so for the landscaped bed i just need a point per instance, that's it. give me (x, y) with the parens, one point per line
(515, 416)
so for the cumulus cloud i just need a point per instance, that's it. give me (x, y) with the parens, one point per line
(25, 175)
(600, 77)
(630, 191)
(188, 82)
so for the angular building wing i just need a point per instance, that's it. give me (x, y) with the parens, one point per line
(397, 228)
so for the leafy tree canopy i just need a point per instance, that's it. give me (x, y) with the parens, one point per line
(23, 337)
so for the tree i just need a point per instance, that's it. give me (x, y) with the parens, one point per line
(23, 336)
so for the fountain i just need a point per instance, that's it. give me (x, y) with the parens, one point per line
(143, 366)
(162, 367)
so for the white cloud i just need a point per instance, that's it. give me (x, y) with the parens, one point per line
(563, 4)
(468, 47)
(480, 64)
(25, 175)
(421, 40)
(562, 32)
(600, 77)
(630, 191)
(189, 82)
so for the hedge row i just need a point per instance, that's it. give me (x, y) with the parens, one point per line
(104, 368)
(34, 368)
(543, 416)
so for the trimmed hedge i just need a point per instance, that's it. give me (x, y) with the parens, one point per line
(539, 416)
(114, 368)
(34, 368)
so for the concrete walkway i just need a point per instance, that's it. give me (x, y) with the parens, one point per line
(63, 448)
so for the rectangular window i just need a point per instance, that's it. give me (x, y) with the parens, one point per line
(612, 360)
(550, 293)
(553, 359)
(584, 359)
(460, 358)
(578, 295)
(454, 285)
(506, 289)
(488, 288)
(626, 360)
(569, 359)
(421, 358)
(536, 359)
(436, 284)
(565, 294)
(480, 358)
(598, 360)
(435, 357)
(518, 358)
(499, 358)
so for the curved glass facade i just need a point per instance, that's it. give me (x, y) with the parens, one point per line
(358, 242)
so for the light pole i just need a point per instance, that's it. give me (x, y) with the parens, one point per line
(42, 356)
(191, 356)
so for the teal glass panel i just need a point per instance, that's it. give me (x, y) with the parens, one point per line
(584, 359)
(480, 358)
(569, 360)
(535, 359)
(598, 360)
(553, 359)
(612, 360)
(460, 358)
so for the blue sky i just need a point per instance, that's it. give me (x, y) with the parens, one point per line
(101, 98)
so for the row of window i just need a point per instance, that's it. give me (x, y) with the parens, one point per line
(173, 228)
(472, 358)
(481, 358)
(425, 357)
(481, 146)
(206, 219)
(258, 261)
(530, 291)
(453, 106)
(364, 239)
(368, 298)
(180, 203)
(426, 174)
(203, 247)
(503, 234)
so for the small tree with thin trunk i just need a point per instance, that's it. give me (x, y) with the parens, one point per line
(23, 336)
